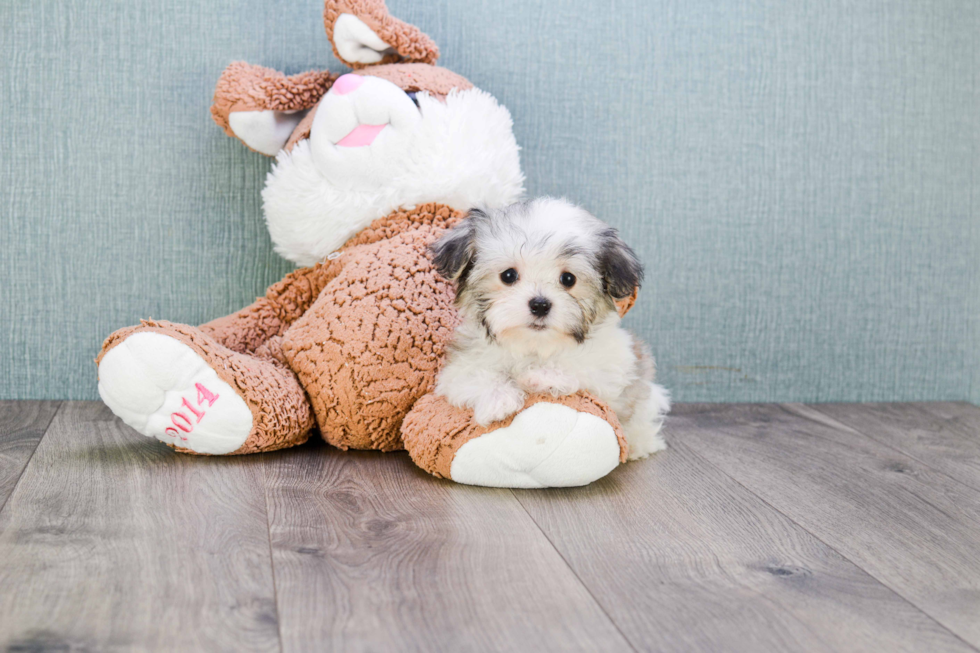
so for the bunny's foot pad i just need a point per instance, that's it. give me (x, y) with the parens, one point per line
(163, 389)
(547, 445)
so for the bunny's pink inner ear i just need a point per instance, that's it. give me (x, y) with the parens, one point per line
(363, 33)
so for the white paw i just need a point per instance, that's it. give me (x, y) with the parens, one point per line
(547, 445)
(556, 382)
(162, 389)
(497, 403)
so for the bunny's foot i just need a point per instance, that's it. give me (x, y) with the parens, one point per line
(551, 442)
(174, 383)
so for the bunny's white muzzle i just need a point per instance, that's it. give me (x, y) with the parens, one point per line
(363, 130)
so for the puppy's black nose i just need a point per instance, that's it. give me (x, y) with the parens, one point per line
(539, 306)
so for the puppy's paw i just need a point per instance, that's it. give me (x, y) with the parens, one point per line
(499, 402)
(557, 382)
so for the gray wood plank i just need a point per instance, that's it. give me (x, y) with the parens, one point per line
(372, 554)
(22, 423)
(684, 558)
(914, 529)
(946, 443)
(112, 541)
(962, 415)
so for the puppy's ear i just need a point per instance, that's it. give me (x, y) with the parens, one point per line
(621, 271)
(454, 253)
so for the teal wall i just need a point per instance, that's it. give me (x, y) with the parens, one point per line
(800, 178)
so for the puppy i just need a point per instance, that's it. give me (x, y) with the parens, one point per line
(536, 288)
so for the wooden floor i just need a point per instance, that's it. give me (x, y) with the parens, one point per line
(762, 528)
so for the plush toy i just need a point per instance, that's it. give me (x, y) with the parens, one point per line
(371, 167)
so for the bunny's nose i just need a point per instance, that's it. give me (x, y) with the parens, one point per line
(347, 83)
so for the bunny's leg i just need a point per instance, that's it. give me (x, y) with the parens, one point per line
(551, 442)
(220, 388)
(181, 386)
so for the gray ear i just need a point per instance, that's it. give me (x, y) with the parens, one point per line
(454, 253)
(621, 270)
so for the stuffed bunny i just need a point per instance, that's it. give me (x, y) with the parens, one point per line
(371, 167)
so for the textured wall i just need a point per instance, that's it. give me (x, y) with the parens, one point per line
(800, 178)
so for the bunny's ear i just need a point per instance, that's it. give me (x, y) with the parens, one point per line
(364, 33)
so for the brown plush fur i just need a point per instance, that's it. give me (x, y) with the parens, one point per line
(244, 87)
(419, 77)
(408, 41)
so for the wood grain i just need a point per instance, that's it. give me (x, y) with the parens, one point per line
(371, 554)
(684, 558)
(959, 414)
(944, 436)
(22, 423)
(112, 541)
(912, 528)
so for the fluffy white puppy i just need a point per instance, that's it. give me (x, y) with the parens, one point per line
(536, 287)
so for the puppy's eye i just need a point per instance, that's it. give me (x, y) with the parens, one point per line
(567, 279)
(509, 276)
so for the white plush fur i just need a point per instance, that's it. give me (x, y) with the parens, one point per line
(460, 152)
(502, 351)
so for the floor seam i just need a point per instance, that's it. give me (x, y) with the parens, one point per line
(272, 559)
(574, 573)
(27, 462)
(832, 548)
